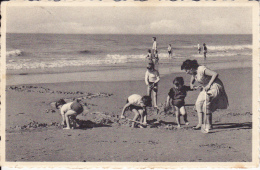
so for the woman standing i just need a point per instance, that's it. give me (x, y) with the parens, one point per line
(213, 95)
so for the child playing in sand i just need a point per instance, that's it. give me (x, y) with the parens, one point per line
(152, 78)
(177, 94)
(69, 111)
(137, 104)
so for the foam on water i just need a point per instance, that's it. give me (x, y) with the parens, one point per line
(14, 53)
(54, 50)
(229, 47)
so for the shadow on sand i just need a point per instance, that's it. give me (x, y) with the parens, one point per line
(246, 125)
(86, 124)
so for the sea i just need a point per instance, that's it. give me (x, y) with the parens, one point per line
(32, 51)
(46, 52)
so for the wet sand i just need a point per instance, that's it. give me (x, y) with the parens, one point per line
(34, 133)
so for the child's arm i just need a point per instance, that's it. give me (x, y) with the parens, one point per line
(62, 112)
(168, 101)
(146, 78)
(157, 77)
(167, 105)
(123, 111)
(192, 81)
(188, 88)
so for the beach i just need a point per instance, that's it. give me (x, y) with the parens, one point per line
(34, 133)
(101, 73)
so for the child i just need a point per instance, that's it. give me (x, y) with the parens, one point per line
(170, 50)
(156, 58)
(205, 50)
(149, 55)
(199, 48)
(177, 94)
(152, 78)
(69, 110)
(137, 104)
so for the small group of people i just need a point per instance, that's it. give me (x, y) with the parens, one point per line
(211, 97)
(153, 54)
(205, 50)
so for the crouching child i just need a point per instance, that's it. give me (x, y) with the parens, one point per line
(69, 112)
(137, 104)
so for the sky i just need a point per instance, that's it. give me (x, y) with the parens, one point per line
(129, 20)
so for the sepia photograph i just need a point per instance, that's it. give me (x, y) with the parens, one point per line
(130, 84)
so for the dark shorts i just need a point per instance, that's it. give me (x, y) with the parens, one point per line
(178, 103)
(155, 87)
(77, 107)
(169, 52)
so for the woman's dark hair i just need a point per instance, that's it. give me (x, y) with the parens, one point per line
(147, 100)
(178, 80)
(60, 102)
(149, 50)
(189, 64)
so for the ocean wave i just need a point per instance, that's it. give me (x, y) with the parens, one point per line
(228, 47)
(14, 53)
(84, 51)
(223, 54)
(135, 57)
(14, 64)
(65, 61)
(11, 65)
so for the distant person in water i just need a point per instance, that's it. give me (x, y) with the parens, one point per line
(199, 48)
(149, 55)
(156, 58)
(205, 50)
(154, 48)
(152, 78)
(170, 50)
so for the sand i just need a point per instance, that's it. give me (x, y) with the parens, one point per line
(34, 133)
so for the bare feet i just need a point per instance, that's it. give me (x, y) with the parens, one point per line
(197, 127)
(66, 128)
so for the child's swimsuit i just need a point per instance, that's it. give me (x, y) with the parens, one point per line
(178, 96)
(135, 100)
(77, 107)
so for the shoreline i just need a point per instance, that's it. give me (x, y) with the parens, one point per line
(111, 74)
(141, 64)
